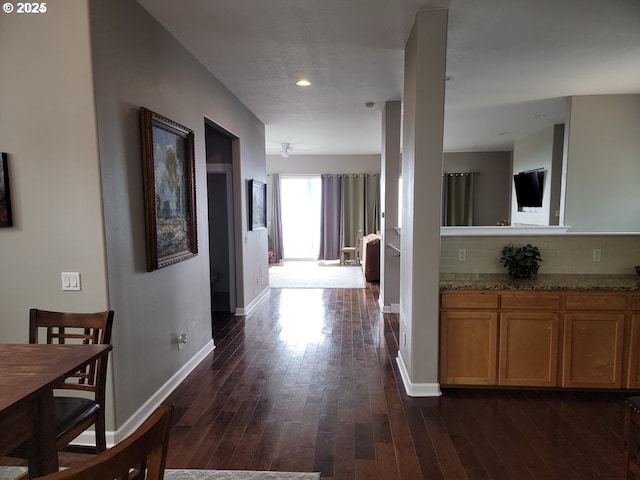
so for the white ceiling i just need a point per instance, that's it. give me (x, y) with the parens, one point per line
(513, 63)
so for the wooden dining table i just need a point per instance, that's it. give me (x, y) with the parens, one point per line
(29, 373)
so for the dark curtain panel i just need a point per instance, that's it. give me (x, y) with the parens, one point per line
(330, 218)
(373, 217)
(457, 201)
(275, 225)
(354, 207)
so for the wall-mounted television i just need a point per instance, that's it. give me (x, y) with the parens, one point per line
(529, 188)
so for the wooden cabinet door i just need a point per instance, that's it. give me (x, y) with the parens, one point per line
(592, 350)
(633, 371)
(468, 348)
(528, 349)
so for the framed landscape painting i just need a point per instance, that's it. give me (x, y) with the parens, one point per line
(6, 219)
(169, 190)
(258, 204)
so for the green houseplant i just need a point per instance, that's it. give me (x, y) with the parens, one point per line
(521, 262)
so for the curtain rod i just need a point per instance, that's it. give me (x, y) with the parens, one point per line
(323, 174)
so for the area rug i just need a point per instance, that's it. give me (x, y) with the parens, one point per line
(237, 475)
(9, 473)
(315, 275)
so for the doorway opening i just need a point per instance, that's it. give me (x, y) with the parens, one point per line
(220, 147)
(300, 200)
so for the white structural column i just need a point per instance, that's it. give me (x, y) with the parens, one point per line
(425, 60)
(389, 173)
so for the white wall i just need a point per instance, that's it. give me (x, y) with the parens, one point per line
(492, 182)
(47, 127)
(138, 63)
(64, 162)
(602, 164)
(538, 151)
(423, 120)
(319, 164)
(389, 205)
(566, 254)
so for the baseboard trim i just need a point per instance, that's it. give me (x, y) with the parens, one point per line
(416, 389)
(241, 312)
(393, 308)
(383, 308)
(134, 421)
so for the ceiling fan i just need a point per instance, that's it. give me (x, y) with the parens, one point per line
(286, 148)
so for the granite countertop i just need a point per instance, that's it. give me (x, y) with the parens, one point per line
(542, 282)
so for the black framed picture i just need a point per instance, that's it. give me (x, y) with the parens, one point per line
(6, 218)
(168, 163)
(257, 205)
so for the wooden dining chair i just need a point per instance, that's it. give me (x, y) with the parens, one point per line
(75, 414)
(353, 252)
(142, 455)
(632, 437)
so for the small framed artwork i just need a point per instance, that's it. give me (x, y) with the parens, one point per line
(168, 165)
(257, 204)
(6, 219)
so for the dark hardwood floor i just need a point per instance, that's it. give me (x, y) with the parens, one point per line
(309, 382)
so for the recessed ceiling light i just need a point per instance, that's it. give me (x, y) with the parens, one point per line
(503, 133)
(303, 83)
(540, 115)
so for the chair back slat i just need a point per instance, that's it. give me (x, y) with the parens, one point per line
(142, 455)
(74, 328)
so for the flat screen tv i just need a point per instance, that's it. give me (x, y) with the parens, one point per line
(529, 188)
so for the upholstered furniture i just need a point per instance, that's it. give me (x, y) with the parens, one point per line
(371, 257)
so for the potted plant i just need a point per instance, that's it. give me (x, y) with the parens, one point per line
(521, 262)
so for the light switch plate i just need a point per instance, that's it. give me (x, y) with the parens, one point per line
(71, 281)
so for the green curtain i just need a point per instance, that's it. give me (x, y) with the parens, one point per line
(457, 204)
(373, 212)
(354, 207)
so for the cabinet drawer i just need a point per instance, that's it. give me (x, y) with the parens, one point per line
(594, 301)
(635, 302)
(469, 300)
(533, 301)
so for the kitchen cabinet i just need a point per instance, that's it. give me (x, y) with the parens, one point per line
(468, 347)
(592, 350)
(540, 338)
(528, 348)
(468, 338)
(633, 374)
(529, 335)
(593, 340)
